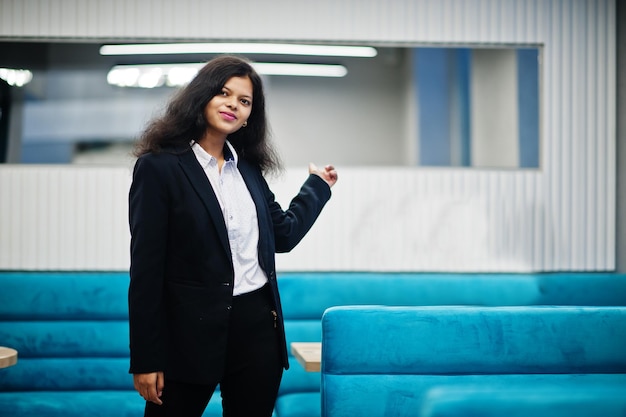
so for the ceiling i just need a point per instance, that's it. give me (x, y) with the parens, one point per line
(84, 55)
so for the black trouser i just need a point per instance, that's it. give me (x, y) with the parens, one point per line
(253, 369)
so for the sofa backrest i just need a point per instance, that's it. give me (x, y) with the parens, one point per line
(382, 360)
(305, 297)
(446, 340)
(73, 322)
(70, 331)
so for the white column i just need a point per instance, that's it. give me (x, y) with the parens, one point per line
(494, 114)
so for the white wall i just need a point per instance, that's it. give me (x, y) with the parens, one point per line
(621, 139)
(561, 217)
(361, 119)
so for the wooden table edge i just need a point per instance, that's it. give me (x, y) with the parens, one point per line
(303, 352)
(8, 357)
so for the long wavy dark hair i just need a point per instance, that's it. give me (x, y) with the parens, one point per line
(184, 120)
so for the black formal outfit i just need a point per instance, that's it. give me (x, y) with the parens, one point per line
(184, 319)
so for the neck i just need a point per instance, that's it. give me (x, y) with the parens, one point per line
(213, 145)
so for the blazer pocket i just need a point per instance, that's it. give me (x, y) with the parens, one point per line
(186, 283)
(188, 296)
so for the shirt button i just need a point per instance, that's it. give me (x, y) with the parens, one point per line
(229, 308)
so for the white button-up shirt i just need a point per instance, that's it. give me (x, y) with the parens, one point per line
(239, 214)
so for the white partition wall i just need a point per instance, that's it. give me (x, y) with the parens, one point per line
(560, 217)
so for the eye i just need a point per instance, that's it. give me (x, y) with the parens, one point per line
(223, 93)
(245, 102)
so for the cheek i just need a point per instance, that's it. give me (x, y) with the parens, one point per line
(211, 105)
(208, 109)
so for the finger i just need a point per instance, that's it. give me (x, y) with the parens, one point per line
(312, 168)
(141, 386)
(160, 383)
(153, 397)
(330, 170)
(146, 386)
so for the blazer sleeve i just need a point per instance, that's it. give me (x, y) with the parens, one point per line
(291, 225)
(148, 213)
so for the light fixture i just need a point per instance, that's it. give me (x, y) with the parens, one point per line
(16, 77)
(302, 70)
(176, 75)
(238, 48)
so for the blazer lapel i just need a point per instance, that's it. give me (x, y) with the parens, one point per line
(203, 188)
(250, 177)
(248, 173)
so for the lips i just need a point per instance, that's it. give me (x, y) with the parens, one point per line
(228, 116)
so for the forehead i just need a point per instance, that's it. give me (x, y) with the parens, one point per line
(240, 85)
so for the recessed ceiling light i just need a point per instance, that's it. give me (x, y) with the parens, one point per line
(16, 77)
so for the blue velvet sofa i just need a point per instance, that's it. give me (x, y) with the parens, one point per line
(403, 361)
(71, 331)
(572, 400)
(71, 334)
(306, 296)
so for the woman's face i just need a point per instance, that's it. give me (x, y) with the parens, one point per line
(229, 110)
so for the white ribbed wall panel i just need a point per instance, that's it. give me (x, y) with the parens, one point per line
(75, 218)
(404, 219)
(64, 218)
(559, 218)
(448, 21)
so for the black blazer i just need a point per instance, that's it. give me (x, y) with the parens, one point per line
(181, 273)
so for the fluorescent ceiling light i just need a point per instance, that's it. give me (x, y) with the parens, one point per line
(176, 75)
(16, 77)
(238, 48)
(303, 70)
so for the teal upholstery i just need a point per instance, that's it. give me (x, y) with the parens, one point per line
(71, 334)
(582, 400)
(379, 360)
(305, 297)
(71, 330)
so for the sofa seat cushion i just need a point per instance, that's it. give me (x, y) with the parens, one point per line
(82, 403)
(393, 394)
(536, 400)
(305, 404)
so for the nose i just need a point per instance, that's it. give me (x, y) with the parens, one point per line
(232, 103)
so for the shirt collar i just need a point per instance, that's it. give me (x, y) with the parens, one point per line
(230, 153)
(205, 159)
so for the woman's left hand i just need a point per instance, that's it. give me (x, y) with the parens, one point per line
(328, 173)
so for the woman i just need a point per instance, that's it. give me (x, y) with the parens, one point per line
(203, 300)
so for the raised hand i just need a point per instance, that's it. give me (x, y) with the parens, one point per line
(328, 173)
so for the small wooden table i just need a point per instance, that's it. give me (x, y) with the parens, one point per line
(309, 354)
(8, 357)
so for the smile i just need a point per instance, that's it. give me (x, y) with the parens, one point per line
(228, 116)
